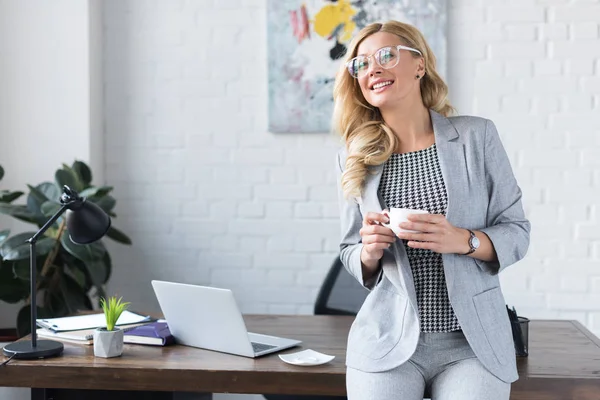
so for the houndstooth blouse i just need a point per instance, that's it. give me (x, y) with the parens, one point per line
(414, 180)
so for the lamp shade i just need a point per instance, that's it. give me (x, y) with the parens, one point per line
(87, 222)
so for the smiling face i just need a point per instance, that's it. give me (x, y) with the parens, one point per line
(384, 88)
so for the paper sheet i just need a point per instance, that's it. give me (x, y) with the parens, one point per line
(88, 321)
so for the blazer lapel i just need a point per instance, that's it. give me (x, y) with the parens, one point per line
(451, 155)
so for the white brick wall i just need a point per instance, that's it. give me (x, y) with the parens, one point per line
(235, 206)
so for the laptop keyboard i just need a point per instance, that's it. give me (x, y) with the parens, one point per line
(258, 347)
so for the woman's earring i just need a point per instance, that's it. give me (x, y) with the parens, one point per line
(417, 76)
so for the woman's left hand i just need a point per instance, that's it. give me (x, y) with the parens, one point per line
(435, 234)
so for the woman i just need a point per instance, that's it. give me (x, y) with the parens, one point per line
(435, 322)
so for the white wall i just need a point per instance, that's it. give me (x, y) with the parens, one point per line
(46, 76)
(48, 111)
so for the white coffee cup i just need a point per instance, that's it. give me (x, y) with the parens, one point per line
(398, 216)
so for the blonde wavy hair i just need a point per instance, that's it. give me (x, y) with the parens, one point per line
(369, 141)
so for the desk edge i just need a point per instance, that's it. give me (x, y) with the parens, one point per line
(585, 331)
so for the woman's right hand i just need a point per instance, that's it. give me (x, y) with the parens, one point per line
(375, 239)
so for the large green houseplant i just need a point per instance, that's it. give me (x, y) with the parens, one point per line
(69, 275)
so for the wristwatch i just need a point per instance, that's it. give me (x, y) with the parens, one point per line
(473, 243)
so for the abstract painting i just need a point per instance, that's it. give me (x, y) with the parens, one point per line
(307, 40)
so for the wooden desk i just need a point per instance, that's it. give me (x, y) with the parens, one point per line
(563, 363)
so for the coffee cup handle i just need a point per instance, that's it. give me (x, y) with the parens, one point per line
(387, 214)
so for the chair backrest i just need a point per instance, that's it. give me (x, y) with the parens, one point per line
(340, 293)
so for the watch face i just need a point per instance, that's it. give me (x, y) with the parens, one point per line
(475, 242)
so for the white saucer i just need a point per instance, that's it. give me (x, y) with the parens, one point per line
(306, 358)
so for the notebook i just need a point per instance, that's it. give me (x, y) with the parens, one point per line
(154, 333)
(81, 336)
(89, 321)
(84, 336)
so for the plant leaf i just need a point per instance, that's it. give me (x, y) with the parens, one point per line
(8, 196)
(50, 190)
(21, 268)
(107, 203)
(84, 252)
(96, 191)
(97, 272)
(113, 308)
(118, 236)
(77, 269)
(4, 235)
(24, 319)
(107, 267)
(49, 208)
(14, 242)
(19, 212)
(21, 252)
(76, 298)
(12, 290)
(83, 172)
(66, 176)
(35, 198)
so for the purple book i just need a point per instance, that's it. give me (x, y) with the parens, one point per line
(154, 333)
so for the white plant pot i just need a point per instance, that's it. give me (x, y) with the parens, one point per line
(108, 343)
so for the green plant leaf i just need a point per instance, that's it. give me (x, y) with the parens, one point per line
(77, 269)
(113, 308)
(50, 190)
(107, 203)
(107, 267)
(97, 271)
(7, 196)
(66, 176)
(21, 268)
(35, 198)
(96, 191)
(4, 235)
(49, 208)
(21, 252)
(75, 298)
(24, 319)
(84, 252)
(83, 172)
(19, 212)
(118, 236)
(14, 242)
(12, 290)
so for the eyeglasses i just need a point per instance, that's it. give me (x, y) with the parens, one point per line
(386, 57)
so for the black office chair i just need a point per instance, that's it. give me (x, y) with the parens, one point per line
(340, 294)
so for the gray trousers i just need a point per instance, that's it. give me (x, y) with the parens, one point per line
(443, 367)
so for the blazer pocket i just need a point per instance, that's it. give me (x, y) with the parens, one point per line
(378, 326)
(491, 311)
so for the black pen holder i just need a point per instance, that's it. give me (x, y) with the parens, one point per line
(521, 336)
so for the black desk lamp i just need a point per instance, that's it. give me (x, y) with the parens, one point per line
(86, 222)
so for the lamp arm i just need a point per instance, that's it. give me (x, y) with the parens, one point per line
(33, 270)
(49, 223)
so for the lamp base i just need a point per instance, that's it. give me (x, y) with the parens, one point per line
(23, 349)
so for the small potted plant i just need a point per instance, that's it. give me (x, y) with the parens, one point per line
(108, 342)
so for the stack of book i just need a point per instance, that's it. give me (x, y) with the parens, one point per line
(138, 329)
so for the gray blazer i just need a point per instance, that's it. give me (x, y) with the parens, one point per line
(483, 195)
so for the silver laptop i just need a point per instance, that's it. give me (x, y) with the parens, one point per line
(209, 318)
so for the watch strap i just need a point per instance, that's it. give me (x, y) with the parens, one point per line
(472, 249)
